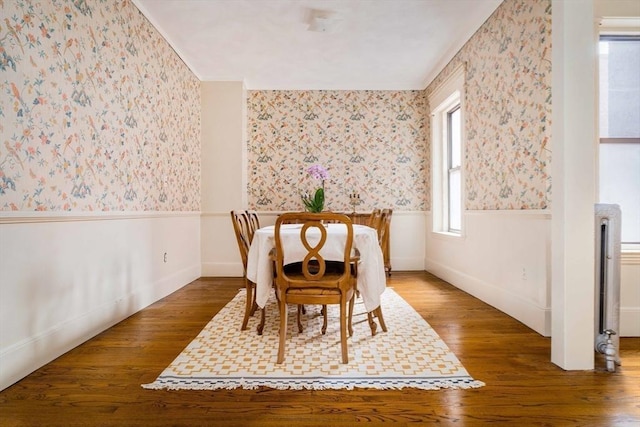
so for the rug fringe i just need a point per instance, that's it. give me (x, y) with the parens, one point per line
(315, 385)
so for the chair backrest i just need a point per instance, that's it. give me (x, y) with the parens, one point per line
(374, 218)
(241, 227)
(383, 227)
(254, 223)
(313, 235)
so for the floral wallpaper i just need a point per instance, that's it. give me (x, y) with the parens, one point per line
(377, 144)
(373, 144)
(508, 108)
(97, 112)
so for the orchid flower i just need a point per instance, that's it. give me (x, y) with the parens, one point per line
(316, 203)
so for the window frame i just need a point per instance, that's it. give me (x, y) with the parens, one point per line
(615, 31)
(447, 98)
(453, 169)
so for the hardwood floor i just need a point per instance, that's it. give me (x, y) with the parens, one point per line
(98, 383)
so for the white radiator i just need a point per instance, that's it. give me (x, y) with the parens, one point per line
(607, 306)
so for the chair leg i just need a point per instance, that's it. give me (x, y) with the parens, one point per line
(372, 323)
(378, 312)
(254, 304)
(283, 331)
(351, 304)
(324, 319)
(298, 317)
(249, 305)
(262, 318)
(343, 332)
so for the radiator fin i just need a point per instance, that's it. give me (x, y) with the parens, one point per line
(607, 252)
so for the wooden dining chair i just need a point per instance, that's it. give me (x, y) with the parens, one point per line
(374, 218)
(244, 225)
(380, 219)
(253, 221)
(383, 237)
(313, 282)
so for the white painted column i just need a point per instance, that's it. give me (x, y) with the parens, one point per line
(223, 146)
(574, 175)
(224, 174)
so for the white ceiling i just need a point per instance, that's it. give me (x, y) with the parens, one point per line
(368, 44)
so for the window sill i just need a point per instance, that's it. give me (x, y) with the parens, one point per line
(447, 235)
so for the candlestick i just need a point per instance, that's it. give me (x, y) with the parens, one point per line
(354, 199)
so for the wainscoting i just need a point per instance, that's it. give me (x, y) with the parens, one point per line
(503, 258)
(66, 278)
(630, 294)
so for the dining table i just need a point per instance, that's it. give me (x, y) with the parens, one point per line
(371, 280)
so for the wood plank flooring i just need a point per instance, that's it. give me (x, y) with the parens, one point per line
(98, 383)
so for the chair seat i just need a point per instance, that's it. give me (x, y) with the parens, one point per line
(329, 275)
(313, 291)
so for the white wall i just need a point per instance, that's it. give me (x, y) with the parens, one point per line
(407, 243)
(223, 174)
(630, 295)
(502, 259)
(67, 278)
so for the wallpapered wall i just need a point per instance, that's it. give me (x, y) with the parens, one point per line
(508, 108)
(378, 143)
(373, 143)
(97, 112)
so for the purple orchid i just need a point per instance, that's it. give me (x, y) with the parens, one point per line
(315, 203)
(318, 172)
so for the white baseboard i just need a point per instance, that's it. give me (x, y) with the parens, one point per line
(22, 358)
(536, 318)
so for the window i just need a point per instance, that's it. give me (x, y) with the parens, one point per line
(619, 123)
(447, 148)
(454, 141)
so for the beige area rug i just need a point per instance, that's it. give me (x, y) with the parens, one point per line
(410, 354)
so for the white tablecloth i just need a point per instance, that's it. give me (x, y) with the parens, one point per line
(371, 275)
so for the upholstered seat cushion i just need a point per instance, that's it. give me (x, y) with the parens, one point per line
(332, 268)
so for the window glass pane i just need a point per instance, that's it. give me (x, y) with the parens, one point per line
(620, 184)
(455, 138)
(447, 147)
(619, 74)
(455, 199)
